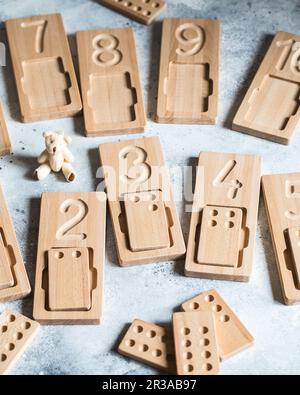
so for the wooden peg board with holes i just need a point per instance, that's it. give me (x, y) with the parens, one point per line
(232, 336)
(14, 282)
(224, 213)
(271, 108)
(143, 11)
(282, 200)
(144, 215)
(70, 259)
(109, 75)
(5, 144)
(16, 333)
(195, 343)
(189, 71)
(150, 344)
(43, 68)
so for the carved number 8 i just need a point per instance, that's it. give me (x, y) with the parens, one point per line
(190, 34)
(106, 52)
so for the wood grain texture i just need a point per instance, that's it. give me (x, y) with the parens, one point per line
(150, 344)
(195, 343)
(110, 82)
(11, 259)
(77, 223)
(226, 184)
(143, 11)
(132, 168)
(5, 143)
(189, 71)
(232, 336)
(16, 333)
(43, 68)
(282, 200)
(271, 107)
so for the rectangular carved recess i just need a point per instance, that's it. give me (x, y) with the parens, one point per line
(282, 199)
(43, 68)
(110, 82)
(70, 260)
(271, 107)
(189, 71)
(144, 215)
(224, 214)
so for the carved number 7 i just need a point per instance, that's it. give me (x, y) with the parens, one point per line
(39, 35)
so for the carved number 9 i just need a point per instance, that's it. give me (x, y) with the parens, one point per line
(105, 50)
(192, 37)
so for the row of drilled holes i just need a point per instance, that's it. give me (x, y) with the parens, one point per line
(16, 336)
(216, 308)
(187, 355)
(139, 8)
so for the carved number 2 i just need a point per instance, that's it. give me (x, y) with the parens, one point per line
(39, 35)
(82, 210)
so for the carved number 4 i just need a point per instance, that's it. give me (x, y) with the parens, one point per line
(222, 179)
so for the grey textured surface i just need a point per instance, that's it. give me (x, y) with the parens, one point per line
(151, 292)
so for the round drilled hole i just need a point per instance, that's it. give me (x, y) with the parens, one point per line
(10, 346)
(153, 207)
(224, 318)
(3, 357)
(147, 13)
(186, 343)
(230, 214)
(209, 298)
(137, 8)
(204, 342)
(11, 318)
(203, 330)
(207, 367)
(76, 254)
(213, 213)
(229, 224)
(4, 329)
(127, 3)
(130, 343)
(185, 331)
(155, 5)
(135, 199)
(143, 348)
(26, 325)
(194, 306)
(217, 308)
(206, 354)
(157, 353)
(163, 339)
(138, 329)
(187, 355)
(151, 334)
(59, 255)
(212, 223)
(146, 1)
(188, 368)
(18, 336)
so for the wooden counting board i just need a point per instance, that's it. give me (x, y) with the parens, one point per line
(43, 68)
(282, 199)
(143, 11)
(189, 71)
(232, 336)
(271, 108)
(16, 333)
(144, 215)
(195, 343)
(70, 259)
(5, 144)
(109, 75)
(14, 282)
(150, 344)
(224, 214)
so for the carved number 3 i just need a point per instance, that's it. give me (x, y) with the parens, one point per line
(106, 52)
(189, 35)
(140, 171)
(82, 210)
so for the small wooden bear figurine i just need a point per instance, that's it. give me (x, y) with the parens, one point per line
(56, 157)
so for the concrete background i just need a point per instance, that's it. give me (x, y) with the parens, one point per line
(152, 292)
